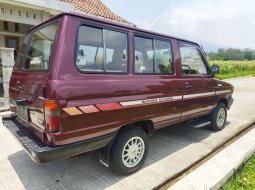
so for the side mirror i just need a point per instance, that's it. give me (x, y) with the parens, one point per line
(215, 69)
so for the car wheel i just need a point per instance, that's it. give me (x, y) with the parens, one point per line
(218, 117)
(129, 151)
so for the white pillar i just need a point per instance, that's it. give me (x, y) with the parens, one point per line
(7, 62)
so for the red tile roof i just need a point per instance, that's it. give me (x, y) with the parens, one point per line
(97, 8)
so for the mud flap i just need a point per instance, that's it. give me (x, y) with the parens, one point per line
(104, 155)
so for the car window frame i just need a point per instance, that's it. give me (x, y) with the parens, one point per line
(58, 21)
(153, 37)
(145, 58)
(197, 47)
(30, 34)
(99, 26)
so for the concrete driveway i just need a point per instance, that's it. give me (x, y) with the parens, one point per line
(171, 151)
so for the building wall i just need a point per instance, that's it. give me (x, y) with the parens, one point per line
(23, 28)
(26, 13)
(32, 12)
(2, 41)
(34, 16)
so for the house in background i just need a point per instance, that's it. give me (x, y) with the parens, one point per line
(17, 16)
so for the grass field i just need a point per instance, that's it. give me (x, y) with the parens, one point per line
(232, 69)
(244, 179)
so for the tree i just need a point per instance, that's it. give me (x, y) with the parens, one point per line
(249, 54)
(232, 54)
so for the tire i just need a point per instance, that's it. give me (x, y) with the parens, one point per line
(119, 159)
(218, 117)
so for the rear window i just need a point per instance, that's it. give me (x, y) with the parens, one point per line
(101, 51)
(23, 48)
(40, 50)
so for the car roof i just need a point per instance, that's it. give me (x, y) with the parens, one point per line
(106, 21)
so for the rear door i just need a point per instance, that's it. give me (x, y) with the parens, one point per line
(198, 87)
(31, 73)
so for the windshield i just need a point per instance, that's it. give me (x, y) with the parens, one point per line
(40, 49)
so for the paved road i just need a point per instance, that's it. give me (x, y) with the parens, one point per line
(171, 150)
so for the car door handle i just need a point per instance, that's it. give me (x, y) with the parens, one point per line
(188, 87)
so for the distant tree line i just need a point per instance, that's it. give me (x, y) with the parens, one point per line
(232, 54)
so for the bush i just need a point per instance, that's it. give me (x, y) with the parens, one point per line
(230, 69)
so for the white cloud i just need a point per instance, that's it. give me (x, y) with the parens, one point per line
(225, 22)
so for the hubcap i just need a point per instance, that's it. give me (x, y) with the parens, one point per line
(221, 117)
(133, 152)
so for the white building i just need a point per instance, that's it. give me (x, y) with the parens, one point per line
(17, 16)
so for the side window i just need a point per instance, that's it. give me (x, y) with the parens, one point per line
(163, 57)
(116, 48)
(143, 55)
(192, 62)
(40, 50)
(152, 56)
(101, 51)
(90, 54)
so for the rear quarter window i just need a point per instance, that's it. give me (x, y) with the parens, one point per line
(101, 50)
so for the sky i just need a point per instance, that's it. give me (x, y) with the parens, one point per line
(214, 23)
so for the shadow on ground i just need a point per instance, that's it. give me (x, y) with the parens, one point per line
(85, 172)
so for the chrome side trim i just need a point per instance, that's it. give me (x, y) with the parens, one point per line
(199, 95)
(149, 101)
(223, 92)
(75, 111)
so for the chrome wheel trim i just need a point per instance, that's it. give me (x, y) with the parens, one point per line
(221, 115)
(133, 152)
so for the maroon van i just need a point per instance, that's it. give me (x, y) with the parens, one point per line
(81, 84)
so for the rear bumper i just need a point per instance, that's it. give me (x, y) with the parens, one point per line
(40, 152)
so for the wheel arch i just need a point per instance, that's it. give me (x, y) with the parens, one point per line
(224, 101)
(146, 125)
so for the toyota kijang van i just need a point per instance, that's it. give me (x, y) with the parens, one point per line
(81, 84)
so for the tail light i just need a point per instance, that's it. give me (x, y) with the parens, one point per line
(52, 113)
